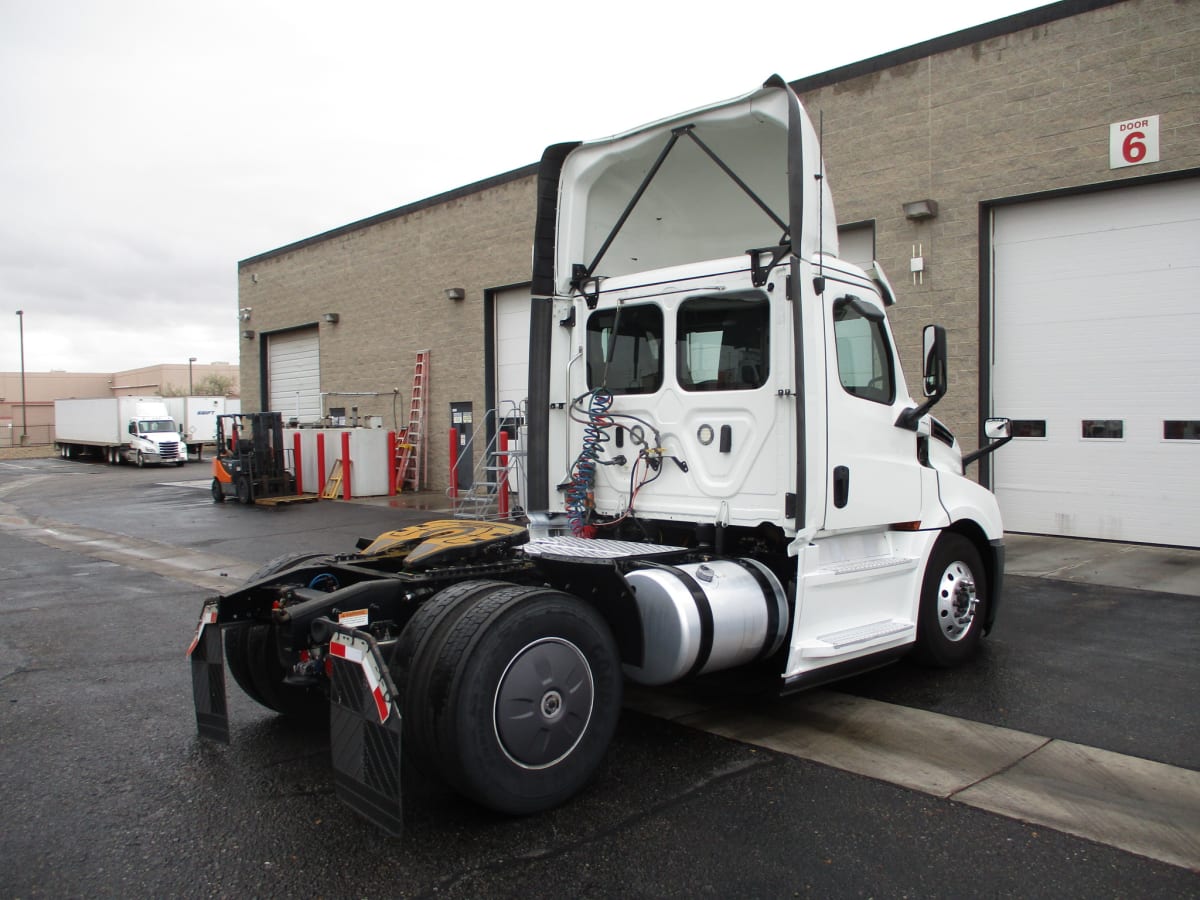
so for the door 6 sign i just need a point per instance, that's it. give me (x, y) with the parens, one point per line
(1133, 142)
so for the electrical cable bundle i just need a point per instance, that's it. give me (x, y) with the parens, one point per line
(597, 419)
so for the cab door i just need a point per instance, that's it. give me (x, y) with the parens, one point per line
(874, 477)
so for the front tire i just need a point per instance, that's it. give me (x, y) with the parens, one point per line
(954, 598)
(141, 460)
(218, 495)
(243, 491)
(525, 694)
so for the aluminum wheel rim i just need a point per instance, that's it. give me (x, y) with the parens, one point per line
(957, 601)
(543, 703)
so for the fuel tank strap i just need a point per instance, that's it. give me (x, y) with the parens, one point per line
(771, 639)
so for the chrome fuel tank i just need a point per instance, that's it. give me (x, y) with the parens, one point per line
(704, 617)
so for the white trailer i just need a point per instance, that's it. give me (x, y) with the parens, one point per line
(118, 429)
(197, 418)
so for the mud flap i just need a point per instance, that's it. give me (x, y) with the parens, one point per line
(364, 729)
(208, 677)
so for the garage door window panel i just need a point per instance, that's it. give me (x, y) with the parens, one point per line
(1029, 428)
(1181, 430)
(1103, 429)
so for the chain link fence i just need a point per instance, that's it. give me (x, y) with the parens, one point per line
(14, 436)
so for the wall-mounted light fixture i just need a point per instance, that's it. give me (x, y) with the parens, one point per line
(920, 209)
(330, 318)
(248, 334)
(244, 313)
(455, 293)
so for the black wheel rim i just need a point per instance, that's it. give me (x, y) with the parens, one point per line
(543, 703)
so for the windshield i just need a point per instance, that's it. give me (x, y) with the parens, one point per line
(155, 426)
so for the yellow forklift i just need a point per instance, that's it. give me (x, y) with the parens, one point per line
(249, 464)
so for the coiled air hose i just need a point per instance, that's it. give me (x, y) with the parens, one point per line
(583, 472)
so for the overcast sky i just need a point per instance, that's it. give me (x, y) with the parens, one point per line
(148, 145)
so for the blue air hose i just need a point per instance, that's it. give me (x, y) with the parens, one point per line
(583, 473)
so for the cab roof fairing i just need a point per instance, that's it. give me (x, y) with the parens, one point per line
(691, 210)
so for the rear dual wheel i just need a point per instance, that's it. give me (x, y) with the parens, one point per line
(253, 659)
(511, 693)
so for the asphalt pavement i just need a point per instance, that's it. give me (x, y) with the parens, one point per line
(109, 792)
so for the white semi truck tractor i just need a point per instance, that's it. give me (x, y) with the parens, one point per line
(727, 471)
(136, 430)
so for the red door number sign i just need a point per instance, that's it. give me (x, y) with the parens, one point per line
(1133, 142)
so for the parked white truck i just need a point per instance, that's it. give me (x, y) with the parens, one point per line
(726, 472)
(119, 429)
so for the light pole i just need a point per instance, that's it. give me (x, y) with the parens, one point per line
(24, 406)
(191, 359)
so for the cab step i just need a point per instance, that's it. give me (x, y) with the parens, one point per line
(847, 570)
(861, 637)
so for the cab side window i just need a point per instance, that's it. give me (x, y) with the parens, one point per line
(865, 363)
(624, 350)
(722, 343)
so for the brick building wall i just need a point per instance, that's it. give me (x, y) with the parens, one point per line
(1013, 115)
(386, 279)
(1012, 109)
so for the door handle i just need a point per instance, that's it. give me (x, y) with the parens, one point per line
(841, 486)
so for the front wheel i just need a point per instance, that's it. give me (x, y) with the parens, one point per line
(141, 460)
(218, 495)
(244, 494)
(525, 695)
(954, 597)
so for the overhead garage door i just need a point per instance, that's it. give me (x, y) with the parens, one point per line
(512, 379)
(294, 374)
(512, 349)
(1097, 359)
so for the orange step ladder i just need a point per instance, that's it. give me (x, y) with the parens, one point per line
(412, 453)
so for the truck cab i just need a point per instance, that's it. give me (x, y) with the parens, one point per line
(713, 375)
(154, 438)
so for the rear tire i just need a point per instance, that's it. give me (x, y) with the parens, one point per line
(304, 703)
(524, 697)
(954, 598)
(255, 666)
(412, 663)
